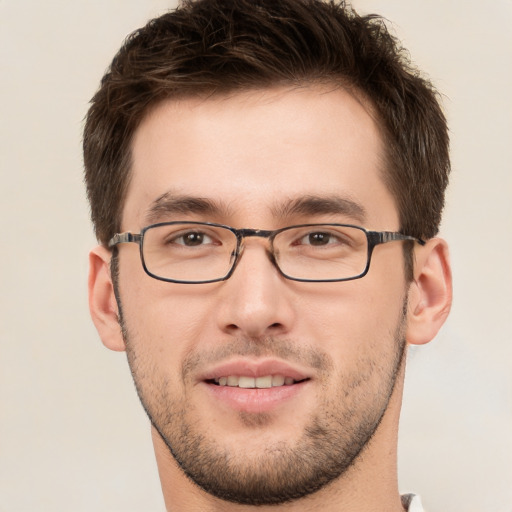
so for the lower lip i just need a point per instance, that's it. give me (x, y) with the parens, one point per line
(255, 400)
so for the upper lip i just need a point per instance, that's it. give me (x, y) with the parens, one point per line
(254, 368)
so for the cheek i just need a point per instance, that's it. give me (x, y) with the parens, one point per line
(164, 320)
(354, 318)
(161, 330)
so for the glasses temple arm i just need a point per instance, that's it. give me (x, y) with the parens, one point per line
(382, 237)
(123, 238)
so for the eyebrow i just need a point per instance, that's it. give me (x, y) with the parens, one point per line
(171, 204)
(312, 205)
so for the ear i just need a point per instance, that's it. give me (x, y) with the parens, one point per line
(430, 293)
(102, 300)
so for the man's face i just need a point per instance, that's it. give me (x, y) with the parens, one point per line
(257, 159)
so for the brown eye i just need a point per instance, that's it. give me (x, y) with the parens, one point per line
(319, 238)
(193, 238)
(189, 239)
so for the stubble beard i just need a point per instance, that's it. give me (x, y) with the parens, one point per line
(331, 442)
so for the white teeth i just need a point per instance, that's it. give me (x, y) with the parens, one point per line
(268, 381)
(232, 380)
(246, 382)
(264, 382)
(277, 380)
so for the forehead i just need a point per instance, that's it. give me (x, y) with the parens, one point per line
(253, 153)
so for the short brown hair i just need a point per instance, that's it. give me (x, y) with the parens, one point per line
(221, 46)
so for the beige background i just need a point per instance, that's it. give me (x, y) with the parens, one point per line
(72, 434)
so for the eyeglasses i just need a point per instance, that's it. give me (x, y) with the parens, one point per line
(204, 252)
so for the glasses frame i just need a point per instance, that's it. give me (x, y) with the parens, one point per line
(374, 238)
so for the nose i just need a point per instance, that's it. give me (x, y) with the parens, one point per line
(256, 300)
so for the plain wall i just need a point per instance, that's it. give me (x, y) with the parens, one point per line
(73, 436)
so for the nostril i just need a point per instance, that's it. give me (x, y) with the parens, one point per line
(254, 332)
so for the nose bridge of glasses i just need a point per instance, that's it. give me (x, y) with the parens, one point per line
(261, 233)
(242, 234)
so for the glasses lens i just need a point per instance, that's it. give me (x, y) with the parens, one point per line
(188, 252)
(322, 252)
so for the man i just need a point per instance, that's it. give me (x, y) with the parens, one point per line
(246, 161)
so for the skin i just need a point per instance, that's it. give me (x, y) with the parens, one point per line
(251, 155)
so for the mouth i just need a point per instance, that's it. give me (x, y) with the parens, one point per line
(256, 386)
(248, 382)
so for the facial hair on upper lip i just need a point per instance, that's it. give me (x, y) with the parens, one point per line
(268, 347)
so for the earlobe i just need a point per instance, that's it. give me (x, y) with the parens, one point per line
(430, 294)
(102, 301)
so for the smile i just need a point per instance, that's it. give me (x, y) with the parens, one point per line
(248, 382)
(255, 386)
